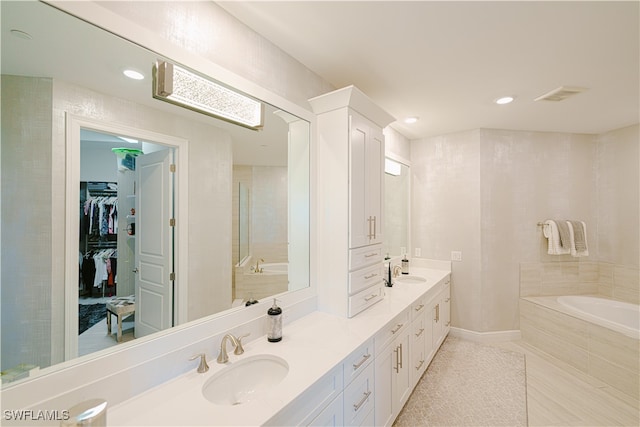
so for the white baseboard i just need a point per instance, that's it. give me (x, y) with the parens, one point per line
(486, 337)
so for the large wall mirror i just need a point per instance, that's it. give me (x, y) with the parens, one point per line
(397, 190)
(114, 200)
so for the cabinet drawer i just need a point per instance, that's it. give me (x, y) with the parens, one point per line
(358, 361)
(359, 398)
(365, 278)
(419, 307)
(391, 330)
(365, 299)
(362, 257)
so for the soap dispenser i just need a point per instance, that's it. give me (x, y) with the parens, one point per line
(274, 317)
(405, 265)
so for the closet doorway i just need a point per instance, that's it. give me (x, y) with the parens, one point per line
(125, 187)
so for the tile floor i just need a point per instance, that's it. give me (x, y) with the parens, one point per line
(556, 395)
(469, 384)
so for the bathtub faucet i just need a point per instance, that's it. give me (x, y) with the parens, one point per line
(257, 268)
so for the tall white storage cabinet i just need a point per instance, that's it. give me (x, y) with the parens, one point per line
(350, 194)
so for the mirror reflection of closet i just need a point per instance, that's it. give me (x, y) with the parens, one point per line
(397, 188)
(108, 187)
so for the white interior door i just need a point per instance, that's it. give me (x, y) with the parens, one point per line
(154, 243)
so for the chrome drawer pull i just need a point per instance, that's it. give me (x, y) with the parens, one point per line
(370, 297)
(397, 328)
(370, 255)
(420, 332)
(420, 307)
(447, 300)
(364, 359)
(371, 275)
(420, 365)
(356, 406)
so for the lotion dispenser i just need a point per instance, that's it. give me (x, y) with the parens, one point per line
(274, 318)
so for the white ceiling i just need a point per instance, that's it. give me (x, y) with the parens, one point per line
(447, 61)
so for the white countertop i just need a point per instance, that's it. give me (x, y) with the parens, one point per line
(312, 346)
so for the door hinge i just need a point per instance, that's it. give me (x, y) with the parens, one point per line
(172, 276)
(172, 222)
(172, 168)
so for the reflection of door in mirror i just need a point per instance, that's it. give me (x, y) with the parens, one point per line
(243, 222)
(110, 196)
(396, 208)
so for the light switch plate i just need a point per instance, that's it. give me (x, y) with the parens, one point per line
(456, 256)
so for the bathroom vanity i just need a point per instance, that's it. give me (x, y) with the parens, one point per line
(341, 371)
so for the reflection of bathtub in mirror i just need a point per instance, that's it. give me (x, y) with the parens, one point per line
(273, 279)
(274, 268)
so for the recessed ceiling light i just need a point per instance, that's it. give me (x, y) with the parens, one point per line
(21, 34)
(504, 100)
(132, 74)
(410, 120)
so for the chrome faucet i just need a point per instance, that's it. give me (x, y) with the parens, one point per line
(223, 356)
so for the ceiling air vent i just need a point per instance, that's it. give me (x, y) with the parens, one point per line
(561, 93)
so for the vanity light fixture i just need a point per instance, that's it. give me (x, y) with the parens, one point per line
(133, 74)
(174, 84)
(505, 100)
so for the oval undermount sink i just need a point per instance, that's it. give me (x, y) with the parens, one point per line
(410, 280)
(246, 380)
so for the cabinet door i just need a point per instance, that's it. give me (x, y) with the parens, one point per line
(384, 372)
(419, 331)
(366, 172)
(359, 230)
(402, 379)
(392, 379)
(446, 310)
(374, 172)
(331, 416)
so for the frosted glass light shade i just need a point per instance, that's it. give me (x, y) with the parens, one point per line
(179, 86)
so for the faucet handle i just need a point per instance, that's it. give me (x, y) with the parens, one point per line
(239, 349)
(203, 367)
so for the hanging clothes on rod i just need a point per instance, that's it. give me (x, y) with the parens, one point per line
(102, 215)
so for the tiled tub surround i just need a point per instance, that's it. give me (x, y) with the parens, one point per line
(602, 353)
(618, 282)
(555, 329)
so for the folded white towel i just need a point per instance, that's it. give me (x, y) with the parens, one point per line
(555, 247)
(578, 232)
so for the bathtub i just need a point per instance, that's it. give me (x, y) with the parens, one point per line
(616, 315)
(597, 336)
(274, 268)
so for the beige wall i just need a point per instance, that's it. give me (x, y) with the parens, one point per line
(445, 215)
(26, 221)
(483, 192)
(618, 196)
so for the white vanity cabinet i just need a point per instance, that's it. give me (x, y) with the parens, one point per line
(392, 369)
(440, 312)
(366, 171)
(421, 337)
(350, 150)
